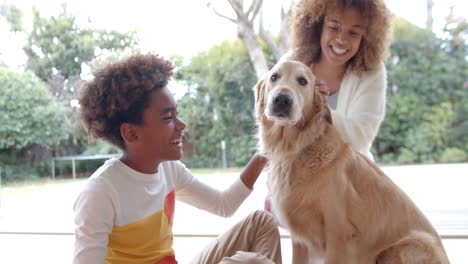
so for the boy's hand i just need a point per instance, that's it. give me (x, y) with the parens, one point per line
(253, 169)
(262, 160)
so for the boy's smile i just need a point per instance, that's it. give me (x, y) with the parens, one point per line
(162, 130)
(177, 142)
(159, 137)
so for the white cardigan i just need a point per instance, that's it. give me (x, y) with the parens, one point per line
(361, 107)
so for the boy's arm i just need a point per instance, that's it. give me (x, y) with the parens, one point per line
(220, 202)
(253, 169)
(94, 216)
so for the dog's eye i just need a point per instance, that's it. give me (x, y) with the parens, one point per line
(302, 81)
(274, 77)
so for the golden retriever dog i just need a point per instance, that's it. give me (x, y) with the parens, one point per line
(335, 202)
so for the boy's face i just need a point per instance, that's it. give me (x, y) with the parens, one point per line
(160, 135)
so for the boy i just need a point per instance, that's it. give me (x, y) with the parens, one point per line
(124, 214)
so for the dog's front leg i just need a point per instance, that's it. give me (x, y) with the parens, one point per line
(303, 254)
(339, 252)
(338, 257)
(346, 252)
(335, 256)
(300, 254)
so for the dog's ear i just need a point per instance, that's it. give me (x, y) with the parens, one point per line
(259, 90)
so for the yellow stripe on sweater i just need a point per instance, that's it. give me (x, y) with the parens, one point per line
(145, 241)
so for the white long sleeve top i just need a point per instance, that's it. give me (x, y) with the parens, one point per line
(124, 216)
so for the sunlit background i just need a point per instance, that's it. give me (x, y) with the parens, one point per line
(185, 27)
(48, 48)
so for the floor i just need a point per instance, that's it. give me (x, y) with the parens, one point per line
(37, 227)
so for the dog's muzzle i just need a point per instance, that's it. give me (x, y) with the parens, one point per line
(282, 103)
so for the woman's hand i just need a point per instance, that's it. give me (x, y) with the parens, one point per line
(323, 89)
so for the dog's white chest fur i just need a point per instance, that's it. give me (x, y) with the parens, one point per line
(288, 202)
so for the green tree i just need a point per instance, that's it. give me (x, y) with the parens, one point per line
(219, 105)
(403, 112)
(14, 16)
(456, 44)
(426, 92)
(58, 48)
(31, 119)
(420, 65)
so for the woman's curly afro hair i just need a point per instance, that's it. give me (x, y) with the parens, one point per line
(119, 93)
(306, 27)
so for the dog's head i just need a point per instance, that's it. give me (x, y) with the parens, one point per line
(287, 95)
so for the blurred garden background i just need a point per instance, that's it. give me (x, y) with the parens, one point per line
(48, 48)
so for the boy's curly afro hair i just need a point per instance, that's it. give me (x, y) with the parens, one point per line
(119, 93)
(306, 27)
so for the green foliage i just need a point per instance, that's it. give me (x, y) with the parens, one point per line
(100, 147)
(407, 156)
(438, 119)
(14, 17)
(403, 111)
(457, 133)
(58, 46)
(218, 105)
(417, 145)
(425, 139)
(419, 65)
(35, 126)
(30, 114)
(453, 155)
(426, 112)
(12, 173)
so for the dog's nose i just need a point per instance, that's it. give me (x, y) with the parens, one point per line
(282, 104)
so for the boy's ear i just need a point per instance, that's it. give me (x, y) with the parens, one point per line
(128, 132)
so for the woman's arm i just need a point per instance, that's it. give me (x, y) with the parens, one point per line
(362, 109)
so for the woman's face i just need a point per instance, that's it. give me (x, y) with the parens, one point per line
(342, 33)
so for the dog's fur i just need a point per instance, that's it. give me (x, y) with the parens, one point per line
(335, 202)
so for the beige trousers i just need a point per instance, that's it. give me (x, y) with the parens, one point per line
(254, 240)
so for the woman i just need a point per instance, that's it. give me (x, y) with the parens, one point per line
(345, 43)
